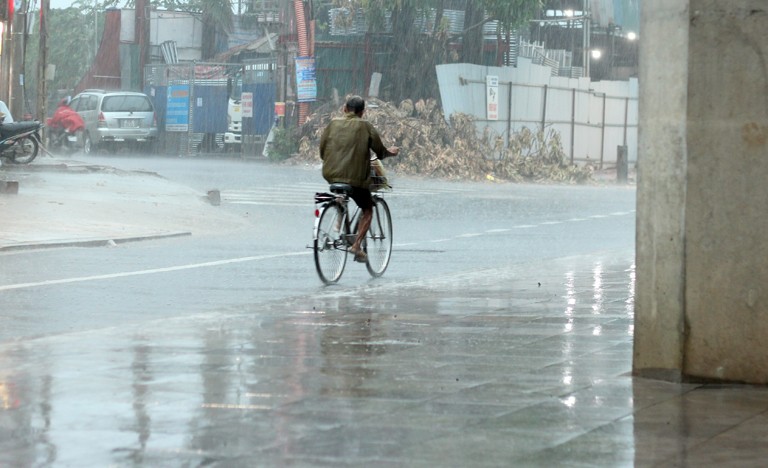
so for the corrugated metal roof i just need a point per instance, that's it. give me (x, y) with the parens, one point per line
(263, 45)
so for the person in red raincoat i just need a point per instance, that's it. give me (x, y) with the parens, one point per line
(65, 121)
(66, 118)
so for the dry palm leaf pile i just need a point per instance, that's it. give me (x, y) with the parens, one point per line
(432, 147)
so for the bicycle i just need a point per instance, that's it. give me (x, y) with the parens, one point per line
(335, 232)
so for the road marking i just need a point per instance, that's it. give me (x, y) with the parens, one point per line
(236, 406)
(265, 257)
(303, 194)
(270, 198)
(269, 203)
(151, 271)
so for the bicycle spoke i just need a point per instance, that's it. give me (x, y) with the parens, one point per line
(378, 243)
(330, 250)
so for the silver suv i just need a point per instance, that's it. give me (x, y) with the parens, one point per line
(116, 118)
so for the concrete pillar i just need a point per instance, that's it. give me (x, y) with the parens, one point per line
(702, 209)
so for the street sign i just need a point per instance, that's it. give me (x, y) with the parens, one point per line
(246, 100)
(177, 111)
(306, 82)
(492, 97)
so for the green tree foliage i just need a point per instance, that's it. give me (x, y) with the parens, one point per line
(285, 144)
(414, 53)
(217, 17)
(74, 35)
(510, 14)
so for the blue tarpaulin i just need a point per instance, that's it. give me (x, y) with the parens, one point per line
(209, 108)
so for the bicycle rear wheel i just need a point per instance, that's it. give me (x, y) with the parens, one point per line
(330, 247)
(378, 242)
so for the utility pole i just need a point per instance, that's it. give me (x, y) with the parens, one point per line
(42, 63)
(142, 38)
(5, 58)
(587, 32)
(16, 104)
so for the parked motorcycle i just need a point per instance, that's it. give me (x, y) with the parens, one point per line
(20, 141)
(63, 141)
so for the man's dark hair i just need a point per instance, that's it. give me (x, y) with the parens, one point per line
(355, 104)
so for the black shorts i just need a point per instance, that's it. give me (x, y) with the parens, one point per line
(362, 197)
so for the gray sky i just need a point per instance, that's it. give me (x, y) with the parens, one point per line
(58, 3)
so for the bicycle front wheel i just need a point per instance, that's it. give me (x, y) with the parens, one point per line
(378, 242)
(330, 248)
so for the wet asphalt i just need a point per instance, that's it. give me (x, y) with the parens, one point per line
(524, 365)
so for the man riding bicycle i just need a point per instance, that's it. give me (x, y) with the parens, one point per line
(345, 148)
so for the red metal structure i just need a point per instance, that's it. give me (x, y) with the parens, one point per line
(105, 70)
(304, 49)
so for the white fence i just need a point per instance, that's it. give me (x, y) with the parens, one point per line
(593, 118)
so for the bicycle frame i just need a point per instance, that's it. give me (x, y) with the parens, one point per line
(343, 201)
(335, 231)
(339, 199)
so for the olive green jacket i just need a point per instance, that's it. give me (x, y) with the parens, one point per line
(345, 150)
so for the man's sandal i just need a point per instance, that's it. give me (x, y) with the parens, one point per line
(360, 255)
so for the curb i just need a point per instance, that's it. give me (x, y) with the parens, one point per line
(68, 165)
(93, 242)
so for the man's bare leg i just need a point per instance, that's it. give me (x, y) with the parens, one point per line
(362, 229)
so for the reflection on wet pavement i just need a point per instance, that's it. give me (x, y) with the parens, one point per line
(523, 366)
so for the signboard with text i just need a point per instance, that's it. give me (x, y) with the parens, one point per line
(306, 80)
(177, 111)
(246, 100)
(492, 97)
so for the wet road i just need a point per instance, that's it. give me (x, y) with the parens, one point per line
(501, 335)
(480, 368)
(439, 228)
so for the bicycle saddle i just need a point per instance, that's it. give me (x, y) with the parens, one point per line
(340, 188)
